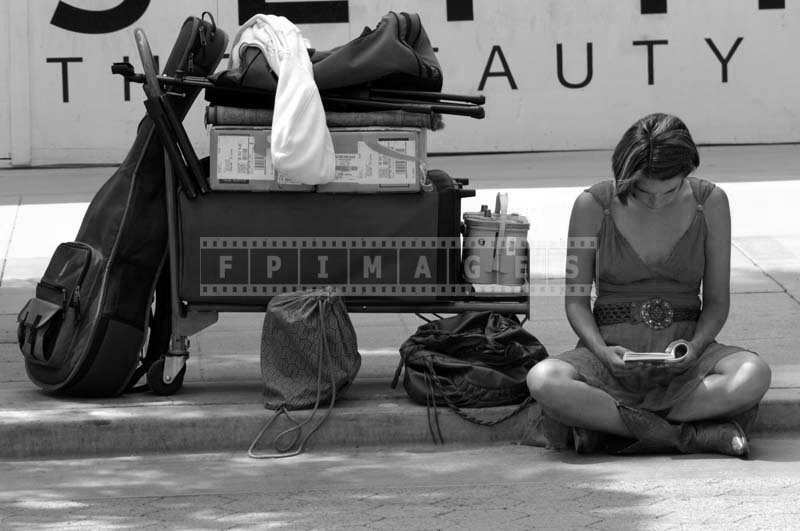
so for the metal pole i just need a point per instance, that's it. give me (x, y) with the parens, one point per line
(176, 357)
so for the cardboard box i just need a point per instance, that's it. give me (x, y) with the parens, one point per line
(241, 160)
(378, 159)
(368, 160)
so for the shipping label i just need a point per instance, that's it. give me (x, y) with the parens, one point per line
(243, 158)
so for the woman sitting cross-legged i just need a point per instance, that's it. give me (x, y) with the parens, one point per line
(648, 239)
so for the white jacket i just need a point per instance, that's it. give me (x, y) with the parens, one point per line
(302, 149)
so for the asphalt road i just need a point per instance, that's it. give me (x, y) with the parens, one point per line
(499, 487)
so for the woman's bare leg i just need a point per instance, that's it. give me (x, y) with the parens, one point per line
(736, 384)
(553, 384)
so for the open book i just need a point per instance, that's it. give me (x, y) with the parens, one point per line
(678, 350)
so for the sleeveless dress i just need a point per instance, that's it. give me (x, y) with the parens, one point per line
(623, 277)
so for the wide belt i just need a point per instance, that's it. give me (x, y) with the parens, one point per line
(657, 313)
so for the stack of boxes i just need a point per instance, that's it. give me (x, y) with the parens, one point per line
(368, 160)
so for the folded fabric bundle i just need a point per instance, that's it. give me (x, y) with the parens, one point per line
(225, 115)
(301, 146)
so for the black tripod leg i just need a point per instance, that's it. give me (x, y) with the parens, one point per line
(185, 146)
(473, 111)
(427, 96)
(156, 113)
(158, 109)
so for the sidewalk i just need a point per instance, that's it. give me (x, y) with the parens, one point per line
(493, 487)
(220, 405)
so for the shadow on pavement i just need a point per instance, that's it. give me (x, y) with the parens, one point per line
(396, 489)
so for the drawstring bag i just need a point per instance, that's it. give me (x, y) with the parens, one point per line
(471, 360)
(309, 356)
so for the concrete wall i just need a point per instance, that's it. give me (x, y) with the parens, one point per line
(5, 111)
(508, 50)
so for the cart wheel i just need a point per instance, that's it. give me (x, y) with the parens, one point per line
(155, 379)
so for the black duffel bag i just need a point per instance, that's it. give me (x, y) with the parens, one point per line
(396, 54)
(471, 360)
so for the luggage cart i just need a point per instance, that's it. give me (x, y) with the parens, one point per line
(195, 300)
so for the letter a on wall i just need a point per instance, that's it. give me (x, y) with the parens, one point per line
(505, 72)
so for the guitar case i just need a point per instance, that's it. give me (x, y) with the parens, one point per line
(84, 332)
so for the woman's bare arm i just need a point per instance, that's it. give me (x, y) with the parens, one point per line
(584, 226)
(717, 275)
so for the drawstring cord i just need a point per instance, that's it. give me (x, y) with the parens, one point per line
(430, 403)
(434, 385)
(286, 451)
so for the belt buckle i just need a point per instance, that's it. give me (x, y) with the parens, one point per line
(657, 313)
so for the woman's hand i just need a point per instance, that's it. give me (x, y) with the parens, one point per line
(611, 356)
(679, 365)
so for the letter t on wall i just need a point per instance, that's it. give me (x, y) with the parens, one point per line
(65, 73)
(650, 67)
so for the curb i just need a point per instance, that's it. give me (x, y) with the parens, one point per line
(193, 427)
(183, 425)
(233, 428)
(779, 411)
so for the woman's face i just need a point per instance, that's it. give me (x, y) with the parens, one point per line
(657, 193)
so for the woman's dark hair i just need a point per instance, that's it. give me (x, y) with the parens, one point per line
(659, 146)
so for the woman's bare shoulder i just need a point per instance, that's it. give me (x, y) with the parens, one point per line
(713, 199)
(717, 212)
(587, 215)
(705, 190)
(717, 199)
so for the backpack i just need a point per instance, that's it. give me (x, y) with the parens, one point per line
(471, 360)
(309, 357)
